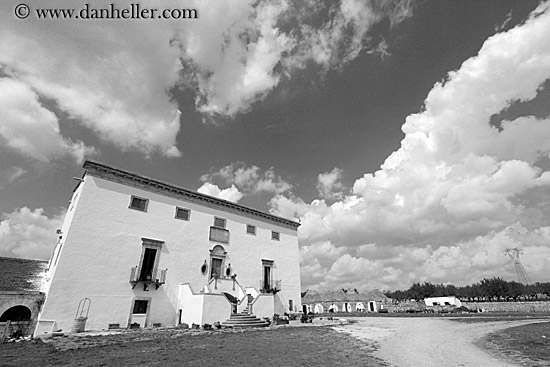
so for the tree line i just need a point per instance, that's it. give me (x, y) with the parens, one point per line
(487, 290)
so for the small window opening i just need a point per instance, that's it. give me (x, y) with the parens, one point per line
(219, 222)
(250, 229)
(138, 203)
(140, 306)
(275, 235)
(182, 213)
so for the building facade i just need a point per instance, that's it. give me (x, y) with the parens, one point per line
(134, 250)
(344, 300)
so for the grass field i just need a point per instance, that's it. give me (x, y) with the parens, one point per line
(528, 344)
(282, 346)
(286, 346)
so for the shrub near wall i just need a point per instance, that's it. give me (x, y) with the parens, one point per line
(535, 306)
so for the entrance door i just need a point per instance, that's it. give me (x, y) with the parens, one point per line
(216, 267)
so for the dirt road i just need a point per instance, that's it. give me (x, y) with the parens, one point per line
(429, 342)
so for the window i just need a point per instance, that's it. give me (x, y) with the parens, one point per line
(138, 203)
(219, 222)
(140, 307)
(149, 259)
(182, 213)
(250, 229)
(275, 235)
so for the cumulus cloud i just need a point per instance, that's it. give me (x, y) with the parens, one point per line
(115, 77)
(110, 76)
(265, 42)
(249, 180)
(456, 185)
(28, 233)
(329, 185)
(30, 128)
(230, 194)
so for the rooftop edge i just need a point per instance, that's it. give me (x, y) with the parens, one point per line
(96, 168)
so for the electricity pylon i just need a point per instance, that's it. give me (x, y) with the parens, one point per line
(520, 270)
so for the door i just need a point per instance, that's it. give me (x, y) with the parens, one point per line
(148, 264)
(267, 277)
(216, 268)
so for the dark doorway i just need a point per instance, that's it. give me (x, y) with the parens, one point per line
(16, 313)
(216, 268)
(148, 264)
(267, 277)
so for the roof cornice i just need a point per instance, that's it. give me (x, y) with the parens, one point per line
(124, 177)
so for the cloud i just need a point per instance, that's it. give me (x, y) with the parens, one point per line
(111, 76)
(28, 233)
(230, 194)
(115, 77)
(249, 179)
(329, 185)
(30, 128)
(456, 185)
(239, 58)
(10, 175)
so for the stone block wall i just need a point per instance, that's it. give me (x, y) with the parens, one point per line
(532, 306)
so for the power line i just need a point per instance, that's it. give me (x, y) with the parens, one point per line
(514, 253)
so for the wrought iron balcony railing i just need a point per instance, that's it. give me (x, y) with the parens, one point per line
(273, 286)
(157, 277)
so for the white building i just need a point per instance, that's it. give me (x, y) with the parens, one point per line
(442, 301)
(147, 252)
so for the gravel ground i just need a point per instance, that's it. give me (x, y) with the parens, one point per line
(430, 342)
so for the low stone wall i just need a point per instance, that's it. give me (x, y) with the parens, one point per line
(535, 306)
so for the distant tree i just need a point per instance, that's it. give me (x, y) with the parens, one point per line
(543, 288)
(514, 290)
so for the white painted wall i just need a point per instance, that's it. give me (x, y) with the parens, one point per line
(452, 300)
(264, 306)
(102, 242)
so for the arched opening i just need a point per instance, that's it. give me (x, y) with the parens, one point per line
(319, 308)
(16, 313)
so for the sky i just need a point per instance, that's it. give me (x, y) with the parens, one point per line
(411, 139)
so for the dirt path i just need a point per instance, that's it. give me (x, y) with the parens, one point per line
(429, 342)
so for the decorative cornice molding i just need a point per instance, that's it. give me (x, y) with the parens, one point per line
(127, 178)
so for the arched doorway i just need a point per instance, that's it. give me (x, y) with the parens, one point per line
(16, 313)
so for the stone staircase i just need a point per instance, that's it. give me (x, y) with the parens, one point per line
(244, 320)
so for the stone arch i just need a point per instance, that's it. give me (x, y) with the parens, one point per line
(31, 301)
(319, 308)
(333, 308)
(16, 313)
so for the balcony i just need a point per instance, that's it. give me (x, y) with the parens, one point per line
(157, 278)
(271, 287)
